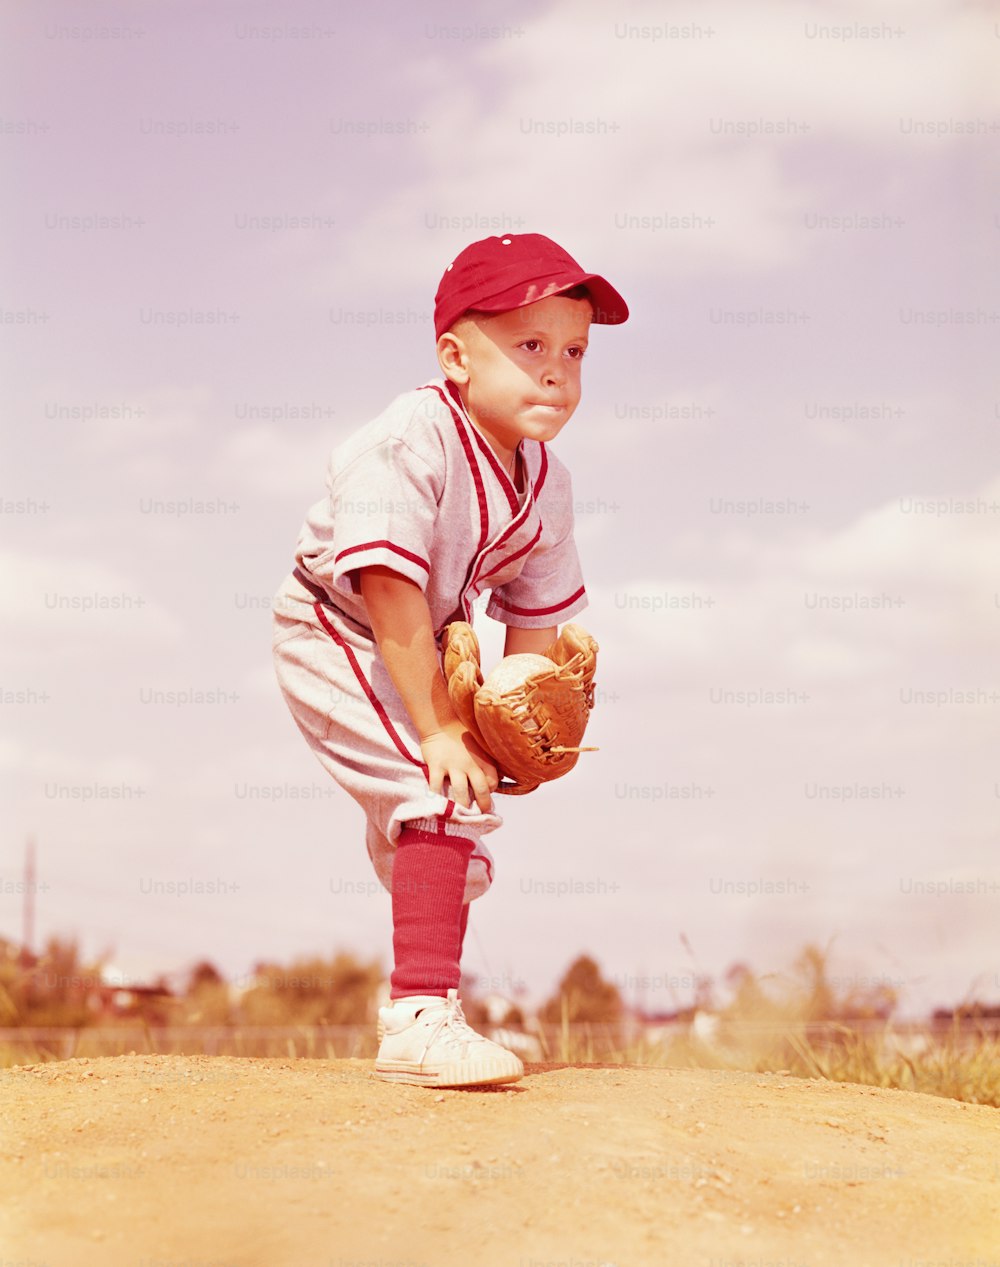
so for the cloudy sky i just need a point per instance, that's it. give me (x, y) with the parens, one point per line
(224, 226)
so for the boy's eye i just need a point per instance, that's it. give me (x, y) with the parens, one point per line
(534, 345)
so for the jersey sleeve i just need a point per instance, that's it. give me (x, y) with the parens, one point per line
(549, 589)
(382, 507)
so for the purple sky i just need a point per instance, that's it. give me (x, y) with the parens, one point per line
(786, 466)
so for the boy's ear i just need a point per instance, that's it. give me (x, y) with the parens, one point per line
(453, 358)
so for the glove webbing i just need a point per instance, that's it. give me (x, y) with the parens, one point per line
(532, 706)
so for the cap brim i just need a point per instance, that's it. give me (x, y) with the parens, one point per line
(610, 309)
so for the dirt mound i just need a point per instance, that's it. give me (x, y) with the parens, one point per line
(166, 1161)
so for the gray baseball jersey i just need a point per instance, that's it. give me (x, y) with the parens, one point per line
(418, 490)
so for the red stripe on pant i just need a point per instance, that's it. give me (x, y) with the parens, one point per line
(428, 915)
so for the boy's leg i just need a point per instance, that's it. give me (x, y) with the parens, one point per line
(341, 698)
(428, 913)
(424, 1038)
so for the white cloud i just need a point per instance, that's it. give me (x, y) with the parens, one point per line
(666, 147)
(911, 592)
(269, 459)
(78, 604)
(941, 542)
(110, 421)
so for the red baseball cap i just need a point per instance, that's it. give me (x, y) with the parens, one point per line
(501, 273)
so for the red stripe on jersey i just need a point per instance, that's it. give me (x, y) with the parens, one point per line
(515, 524)
(477, 477)
(537, 611)
(516, 555)
(542, 472)
(385, 545)
(484, 512)
(499, 472)
(504, 536)
(373, 699)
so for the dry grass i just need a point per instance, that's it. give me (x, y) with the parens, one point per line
(794, 1024)
(960, 1062)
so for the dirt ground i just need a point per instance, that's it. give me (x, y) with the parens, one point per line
(166, 1161)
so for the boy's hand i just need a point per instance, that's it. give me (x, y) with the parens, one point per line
(451, 753)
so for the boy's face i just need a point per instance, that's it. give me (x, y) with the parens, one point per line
(518, 372)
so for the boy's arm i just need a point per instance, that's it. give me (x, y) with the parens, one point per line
(401, 622)
(520, 640)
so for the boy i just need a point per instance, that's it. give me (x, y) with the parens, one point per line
(450, 492)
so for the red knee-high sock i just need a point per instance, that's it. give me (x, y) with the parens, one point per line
(463, 924)
(428, 884)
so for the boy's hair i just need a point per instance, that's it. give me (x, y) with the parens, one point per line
(575, 292)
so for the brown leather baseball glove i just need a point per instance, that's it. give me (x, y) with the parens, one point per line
(530, 713)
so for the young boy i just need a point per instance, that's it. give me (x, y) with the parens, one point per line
(448, 493)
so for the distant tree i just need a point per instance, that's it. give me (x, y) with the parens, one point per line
(205, 998)
(875, 1001)
(315, 991)
(584, 995)
(10, 973)
(964, 1013)
(750, 1001)
(202, 974)
(832, 998)
(819, 1000)
(55, 989)
(811, 993)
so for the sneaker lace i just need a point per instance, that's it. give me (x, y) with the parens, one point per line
(452, 1019)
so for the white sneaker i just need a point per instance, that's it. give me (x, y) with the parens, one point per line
(424, 1039)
